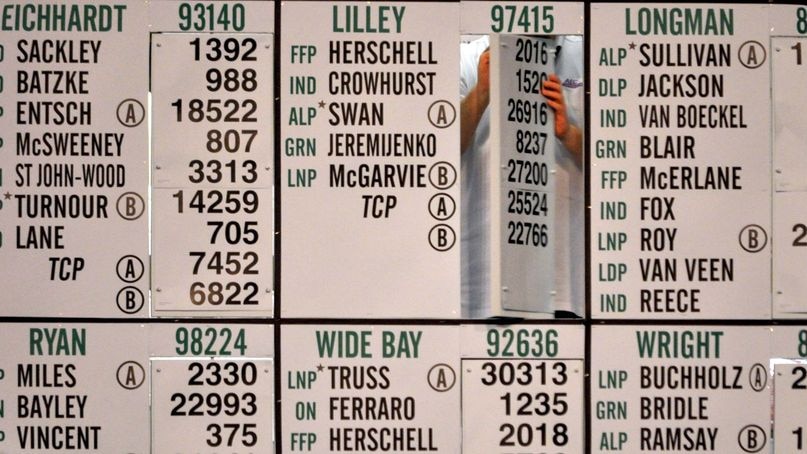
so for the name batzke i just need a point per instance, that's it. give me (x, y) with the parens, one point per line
(52, 82)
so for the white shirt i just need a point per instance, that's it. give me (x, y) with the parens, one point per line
(569, 186)
(475, 180)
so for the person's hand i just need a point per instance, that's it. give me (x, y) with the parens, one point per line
(569, 135)
(474, 105)
(553, 92)
(483, 77)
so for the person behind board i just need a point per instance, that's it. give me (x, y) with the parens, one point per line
(475, 165)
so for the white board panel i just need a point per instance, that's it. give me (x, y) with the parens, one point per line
(211, 382)
(213, 216)
(677, 152)
(522, 389)
(370, 137)
(523, 190)
(212, 109)
(788, 77)
(789, 254)
(680, 389)
(57, 383)
(790, 398)
(73, 159)
(206, 405)
(370, 388)
(787, 359)
(212, 252)
(789, 140)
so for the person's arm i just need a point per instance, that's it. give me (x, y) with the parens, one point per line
(570, 135)
(475, 102)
